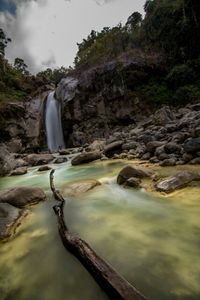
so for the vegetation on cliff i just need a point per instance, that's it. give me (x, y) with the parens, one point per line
(170, 30)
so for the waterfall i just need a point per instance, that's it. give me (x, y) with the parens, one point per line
(53, 124)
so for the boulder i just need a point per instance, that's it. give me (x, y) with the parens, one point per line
(10, 218)
(132, 171)
(44, 168)
(97, 145)
(172, 148)
(192, 145)
(133, 182)
(113, 148)
(19, 171)
(39, 159)
(151, 146)
(164, 116)
(22, 196)
(77, 188)
(178, 181)
(60, 160)
(64, 152)
(85, 157)
(168, 162)
(129, 145)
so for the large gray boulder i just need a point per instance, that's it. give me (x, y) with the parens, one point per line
(85, 157)
(178, 181)
(39, 159)
(132, 171)
(10, 218)
(22, 196)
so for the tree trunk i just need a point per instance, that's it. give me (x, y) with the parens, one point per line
(116, 287)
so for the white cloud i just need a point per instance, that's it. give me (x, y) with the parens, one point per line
(44, 33)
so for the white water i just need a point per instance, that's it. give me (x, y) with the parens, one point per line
(53, 123)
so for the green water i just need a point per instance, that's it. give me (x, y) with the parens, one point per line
(150, 239)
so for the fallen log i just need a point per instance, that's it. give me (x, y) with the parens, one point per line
(115, 286)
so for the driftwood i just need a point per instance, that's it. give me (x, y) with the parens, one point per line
(115, 286)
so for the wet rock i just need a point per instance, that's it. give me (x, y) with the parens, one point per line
(192, 145)
(22, 196)
(10, 218)
(39, 159)
(113, 148)
(85, 157)
(44, 168)
(64, 152)
(178, 181)
(133, 182)
(77, 188)
(132, 171)
(60, 160)
(19, 171)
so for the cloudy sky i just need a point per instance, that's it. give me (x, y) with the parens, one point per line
(45, 32)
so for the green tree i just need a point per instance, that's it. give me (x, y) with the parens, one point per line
(20, 65)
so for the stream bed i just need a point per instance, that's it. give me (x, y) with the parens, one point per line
(151, 239)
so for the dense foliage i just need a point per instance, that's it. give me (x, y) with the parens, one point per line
(171, 28)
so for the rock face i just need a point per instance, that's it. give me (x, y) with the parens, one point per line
(85, 157)
(178, 181)
(10, 218)
(21, 124)
(132, 171)
(77, 188)
(96, 100)
(39, 159)
(22, 196)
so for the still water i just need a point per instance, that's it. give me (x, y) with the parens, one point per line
(152, 240)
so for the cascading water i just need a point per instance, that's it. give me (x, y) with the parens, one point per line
(53, 123)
